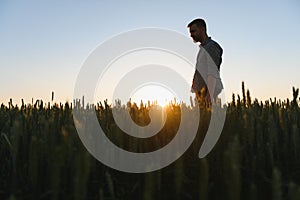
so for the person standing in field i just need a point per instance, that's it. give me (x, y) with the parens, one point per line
(207, 82)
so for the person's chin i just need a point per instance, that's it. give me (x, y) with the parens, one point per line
(195, 40)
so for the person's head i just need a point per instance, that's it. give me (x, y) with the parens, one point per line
(198, 30)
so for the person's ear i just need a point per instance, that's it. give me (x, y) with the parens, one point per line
(202, 29)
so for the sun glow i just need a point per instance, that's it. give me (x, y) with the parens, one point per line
(153, 93)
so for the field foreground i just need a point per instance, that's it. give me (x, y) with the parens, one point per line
(256, 157)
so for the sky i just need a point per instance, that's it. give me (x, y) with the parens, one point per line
(43, 44)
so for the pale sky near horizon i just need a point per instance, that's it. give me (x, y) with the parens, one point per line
(43, 44)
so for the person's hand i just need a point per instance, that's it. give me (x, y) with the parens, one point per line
(207, 99)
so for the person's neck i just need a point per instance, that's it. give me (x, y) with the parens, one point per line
(205, 38)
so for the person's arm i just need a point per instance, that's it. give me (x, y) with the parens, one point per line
(211, 83)
(214, 54)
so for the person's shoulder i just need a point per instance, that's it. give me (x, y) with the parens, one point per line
(214, 43)
(213, 46)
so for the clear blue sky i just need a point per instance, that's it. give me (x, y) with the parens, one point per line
(43, 44)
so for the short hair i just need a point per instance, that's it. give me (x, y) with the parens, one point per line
(199, 22)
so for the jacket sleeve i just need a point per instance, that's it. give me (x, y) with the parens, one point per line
(213, 59)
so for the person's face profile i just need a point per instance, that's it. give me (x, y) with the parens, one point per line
(196, 33)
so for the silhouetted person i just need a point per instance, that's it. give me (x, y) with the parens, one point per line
(208, 63)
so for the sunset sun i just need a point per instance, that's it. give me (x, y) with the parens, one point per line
(153, 93)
